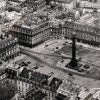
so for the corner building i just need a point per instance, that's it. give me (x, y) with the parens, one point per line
(9, 48)
(31, 38)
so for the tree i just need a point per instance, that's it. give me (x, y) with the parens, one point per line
(7, 91)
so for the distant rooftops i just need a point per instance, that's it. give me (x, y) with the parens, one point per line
(66, 86)
(28, 30)
(34, 92)
(35, 76)
(64, 1)
(92, 19)
(40, 78)
(17, 0)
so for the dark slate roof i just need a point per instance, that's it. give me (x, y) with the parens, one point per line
(53, 85)
(61, 97)
(40, 78)
(35, 76)
(34, 92)
(64, 1)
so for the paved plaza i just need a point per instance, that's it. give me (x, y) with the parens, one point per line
(47, 64)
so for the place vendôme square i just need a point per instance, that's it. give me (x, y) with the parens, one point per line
(49, 49)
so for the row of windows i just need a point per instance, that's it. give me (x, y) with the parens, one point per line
(30, 32)
(23, 84)
(91, 0)
(9, 51)
(2, 76)
(85, 36)
(7, 43)
(25, 31)
(12, 47)
(82, 27)
(41, 29)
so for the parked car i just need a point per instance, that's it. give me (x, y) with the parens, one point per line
(46, 45)
(36, 67)
(28, 62)
(0, 62)
(70, 74)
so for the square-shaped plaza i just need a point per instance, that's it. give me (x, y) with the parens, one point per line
(49, 50)
(52, 56)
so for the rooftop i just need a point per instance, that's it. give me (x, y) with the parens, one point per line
(33, 20)
(64, 1)
(28, 30)
(17, 0)
(35, 76)
(92, 19)
(67, 88)
(41, 78)
(34, 92)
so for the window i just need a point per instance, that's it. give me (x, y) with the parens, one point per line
(26, 85)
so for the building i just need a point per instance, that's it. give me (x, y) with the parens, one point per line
(2, 3)
(92, 94)
(90, 4)
(69, 4)
(85, 33)
(38, 4)
(31, 84)
(30, 38)
(33, 94)
(37, 82)
(68, 88)
(57, 32)
(8, 47)
(3, 75)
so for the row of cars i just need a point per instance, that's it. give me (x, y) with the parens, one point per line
(25, 63)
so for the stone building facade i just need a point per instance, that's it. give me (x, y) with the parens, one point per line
(86, 34)
(30, 38)
(9, 48)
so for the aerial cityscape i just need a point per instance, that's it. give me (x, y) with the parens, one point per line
(49, 49)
